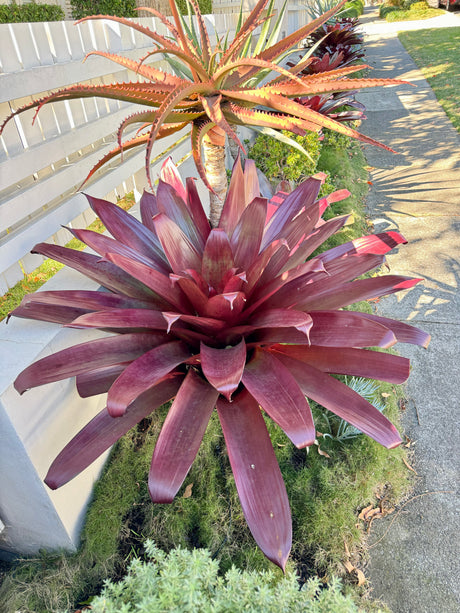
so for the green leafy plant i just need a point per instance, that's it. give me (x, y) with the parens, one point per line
(281, 162)
(235, 317)
(214, 89)
(30, 12)
(189, 581)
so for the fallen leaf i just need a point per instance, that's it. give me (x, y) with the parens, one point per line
(347, 551)
(321, 452)
(364, 512)
(348, 566)
(409, 466)
(188, 491)
(385, 394)
(361, 576)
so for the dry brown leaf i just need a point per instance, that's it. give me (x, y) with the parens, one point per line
(409, 466)
(188, 491)
(361, 577)
(348, 566)
(321, 452)
(385, 395)
(347, 551)
(364, 512)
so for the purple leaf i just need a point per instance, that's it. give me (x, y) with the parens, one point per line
(348, 329)
(144, 373)
(160, 284)
(251, 181)
(217, 258)
(302, 196)
(84, 357)
(223, 368)
(308, 286)
(278, 393)
(349, 361)
(374, 243)
(170, 175)
(343, 401)
(316, 239)
(99, 380)
(226, 306)
(283, 318)
(348, 293)
(234, 204)
(149, 208)
(196, 209)
(179, 250)
(103, 431)
(104, 244)
(105, 273)
(197, 298)
(180, 437)
(170, 203)
(257, 476)
(122, 318)
(247, 235)
(403, 332)
(128, 230)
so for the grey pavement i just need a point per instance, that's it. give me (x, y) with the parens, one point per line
(415, 554)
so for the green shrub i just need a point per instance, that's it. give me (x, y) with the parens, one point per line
(120, 8)
(353, 8)
(188, 581)
(280, 162)
(31, 12)
(419, 6)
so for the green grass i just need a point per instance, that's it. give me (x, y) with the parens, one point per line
(402, 11)
(435, 52)
(326, 493)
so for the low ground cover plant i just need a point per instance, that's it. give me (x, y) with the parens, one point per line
(432, 51)
(190, 581)
(30, 12)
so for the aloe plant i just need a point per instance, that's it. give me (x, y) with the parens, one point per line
(239, 317)
(215, 89)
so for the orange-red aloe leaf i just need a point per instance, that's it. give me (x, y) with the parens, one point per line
(288, 42)
(166, 79)
(219, 76)
(205, 42)
(258, 478)
(200, 127)
(284, 105)
(168, 104)
(181, 436)
(212, 107)
(263, 118)
(161, 17)
(249, 25)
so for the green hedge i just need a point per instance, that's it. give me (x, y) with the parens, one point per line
(14, 13)
(120, 8)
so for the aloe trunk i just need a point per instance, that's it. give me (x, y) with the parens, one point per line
(214, 163)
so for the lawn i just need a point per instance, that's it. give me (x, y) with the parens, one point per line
(436, 53)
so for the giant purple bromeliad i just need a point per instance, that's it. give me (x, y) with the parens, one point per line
(238, 318)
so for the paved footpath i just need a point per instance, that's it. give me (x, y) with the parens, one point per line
(415, 562)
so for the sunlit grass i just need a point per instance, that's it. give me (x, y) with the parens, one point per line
(436, 53)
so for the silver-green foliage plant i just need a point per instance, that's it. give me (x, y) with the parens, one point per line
(185, 581)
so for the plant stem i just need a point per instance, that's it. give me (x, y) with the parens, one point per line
(214, 162)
